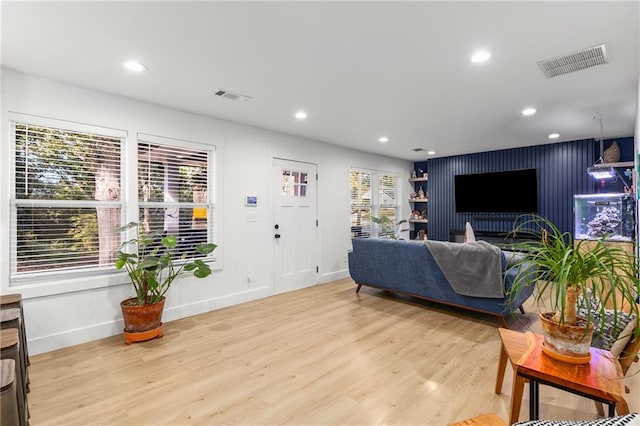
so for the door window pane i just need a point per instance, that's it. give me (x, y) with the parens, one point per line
(294, 183)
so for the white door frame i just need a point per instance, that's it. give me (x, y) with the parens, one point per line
(309, 277)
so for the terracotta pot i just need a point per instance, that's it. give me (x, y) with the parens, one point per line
(141, 318)
(566, 343)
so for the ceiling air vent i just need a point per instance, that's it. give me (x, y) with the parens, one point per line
(583, 59)
(418, 150)
(237, 97)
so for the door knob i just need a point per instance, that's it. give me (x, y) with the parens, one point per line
(277, 236)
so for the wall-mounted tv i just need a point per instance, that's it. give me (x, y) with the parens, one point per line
(510, 191)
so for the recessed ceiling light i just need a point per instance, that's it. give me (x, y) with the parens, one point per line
(134, 66)
(528, 111)
(301, 115)
(431, 152)
(480, 56)
(554, 135)
(383, 139)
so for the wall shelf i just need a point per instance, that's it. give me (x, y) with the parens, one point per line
(422, 179)
(418, 221)
(418, 200)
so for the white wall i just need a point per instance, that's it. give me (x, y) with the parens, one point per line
(82, 313)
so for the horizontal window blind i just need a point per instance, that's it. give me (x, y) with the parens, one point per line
(67, 199)
(360, 201)
(174, 193)
(387, 190)
(372, 194)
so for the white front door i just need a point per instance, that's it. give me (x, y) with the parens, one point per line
(295, 228)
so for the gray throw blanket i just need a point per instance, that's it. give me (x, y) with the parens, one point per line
(472, 269)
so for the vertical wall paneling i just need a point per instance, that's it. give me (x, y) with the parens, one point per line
(561, 174)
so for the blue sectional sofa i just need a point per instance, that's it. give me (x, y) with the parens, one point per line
(408, 267)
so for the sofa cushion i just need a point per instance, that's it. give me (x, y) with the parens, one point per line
(632, 419)
(513, 258)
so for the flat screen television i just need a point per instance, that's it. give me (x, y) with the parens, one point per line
(510, 191)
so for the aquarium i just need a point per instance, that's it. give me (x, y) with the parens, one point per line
(611, 216)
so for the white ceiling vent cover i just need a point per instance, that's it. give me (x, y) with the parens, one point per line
(583, 59)
(237, 97)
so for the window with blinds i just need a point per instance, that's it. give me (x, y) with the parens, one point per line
(371, 194)
(174, 192)
(360, 201)
(67, 199)
(387, 190)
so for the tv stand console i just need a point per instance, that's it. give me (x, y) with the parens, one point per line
(498, 238)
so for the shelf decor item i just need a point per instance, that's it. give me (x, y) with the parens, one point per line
(152, 262)
(565, 271)
(611, 154)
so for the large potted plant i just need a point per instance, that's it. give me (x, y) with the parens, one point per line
(152, 262)
(565, 270)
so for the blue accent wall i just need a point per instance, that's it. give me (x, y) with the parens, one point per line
(561, 174)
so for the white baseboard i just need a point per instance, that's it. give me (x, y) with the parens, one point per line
(77, 336)
(334, 276)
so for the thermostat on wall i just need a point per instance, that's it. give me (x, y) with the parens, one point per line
(251, 201)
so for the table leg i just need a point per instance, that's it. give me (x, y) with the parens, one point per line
(620, 406)
(516, 397)
(533, 399)
(502, 366)
(612, 409)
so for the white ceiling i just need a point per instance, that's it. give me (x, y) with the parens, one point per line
(360, 69)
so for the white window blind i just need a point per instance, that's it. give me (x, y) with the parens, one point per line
(175, 194)
(372, 193)
(361, 203)
(387, 190)
(66, 201)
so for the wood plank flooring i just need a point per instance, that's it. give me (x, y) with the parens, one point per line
(321, 355)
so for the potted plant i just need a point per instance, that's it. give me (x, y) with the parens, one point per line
(152, 263)
(388, 229)
(564, 271)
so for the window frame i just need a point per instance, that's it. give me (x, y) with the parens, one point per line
(212, 193)
(44, 277)
(61, 282)
(362, 206)
(376, 195)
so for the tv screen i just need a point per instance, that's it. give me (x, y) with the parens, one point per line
(511, 191)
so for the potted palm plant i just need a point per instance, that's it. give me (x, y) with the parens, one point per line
(565, 270)
(152, 263)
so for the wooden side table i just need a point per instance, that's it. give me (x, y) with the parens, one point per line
(601, 379)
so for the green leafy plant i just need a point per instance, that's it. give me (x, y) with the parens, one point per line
(152, 263)
(388, 228)
(565, 270)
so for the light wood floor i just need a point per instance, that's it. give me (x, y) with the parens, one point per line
(322, 355)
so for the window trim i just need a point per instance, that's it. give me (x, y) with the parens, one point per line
(61, 282)
(24, 281)
(212, 181)
(375, 206)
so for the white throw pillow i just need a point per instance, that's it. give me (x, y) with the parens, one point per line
(469, 236)
(623, 339)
